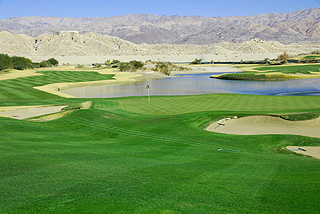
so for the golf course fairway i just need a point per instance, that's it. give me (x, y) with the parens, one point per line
(129, 155)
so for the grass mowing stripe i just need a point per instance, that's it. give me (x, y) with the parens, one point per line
(202, 144)
(171, 105)
(23, 87)
(138, 134)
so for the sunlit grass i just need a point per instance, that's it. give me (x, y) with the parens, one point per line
(126, 155)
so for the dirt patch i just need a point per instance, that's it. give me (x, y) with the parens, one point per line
(258, 125)
(24, 112)
(313, 151)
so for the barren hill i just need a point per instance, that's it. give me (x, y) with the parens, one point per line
(71, 43)
(298, 26)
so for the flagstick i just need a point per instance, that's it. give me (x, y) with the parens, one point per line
(149, 96)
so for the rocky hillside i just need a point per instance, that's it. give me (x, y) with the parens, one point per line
(71, 43)
(299, 26)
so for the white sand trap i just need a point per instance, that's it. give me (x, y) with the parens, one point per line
(257, 125)
(313, 151)
(23, 112)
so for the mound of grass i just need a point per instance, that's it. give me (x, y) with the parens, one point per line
(303, 116)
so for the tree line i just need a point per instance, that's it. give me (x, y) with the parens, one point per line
(21, 63)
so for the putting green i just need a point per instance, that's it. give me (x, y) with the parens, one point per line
(219, 102)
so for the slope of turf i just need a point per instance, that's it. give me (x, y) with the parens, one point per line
(127, 155)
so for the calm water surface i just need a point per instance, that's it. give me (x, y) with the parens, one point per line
(193, 84)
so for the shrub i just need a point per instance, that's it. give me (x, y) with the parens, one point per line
(79, 66)
(131, 66)
(167, 67)
(283, 58)
(108, 62)
(196, 61)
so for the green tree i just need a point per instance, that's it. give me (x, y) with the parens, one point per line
(53, 61)
(21, 63)
(36, 65)
(5, 62)
(45, 64)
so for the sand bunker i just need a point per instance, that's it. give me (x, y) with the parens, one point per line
(258, 125)
(23, 112)
(306, 150)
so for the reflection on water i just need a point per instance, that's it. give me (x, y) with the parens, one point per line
(193, 84)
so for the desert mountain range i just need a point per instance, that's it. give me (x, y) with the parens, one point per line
(296, 27)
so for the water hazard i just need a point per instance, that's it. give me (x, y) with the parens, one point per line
(194, 84)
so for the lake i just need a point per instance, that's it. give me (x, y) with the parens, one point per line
(200, 83)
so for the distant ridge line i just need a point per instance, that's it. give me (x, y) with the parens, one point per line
(295, 27)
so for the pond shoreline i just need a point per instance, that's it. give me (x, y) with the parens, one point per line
(128, 77)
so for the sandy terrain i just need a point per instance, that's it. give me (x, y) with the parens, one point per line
(23, 112)
(88, 60)
(16, 74)
(309, 150)
(257, 125)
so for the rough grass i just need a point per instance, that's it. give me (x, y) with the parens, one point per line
(302, 116)
(127, 155)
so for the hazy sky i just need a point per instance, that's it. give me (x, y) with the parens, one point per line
(107, 8)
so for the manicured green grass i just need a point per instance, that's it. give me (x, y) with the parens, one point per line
(20, 89)
(291, 69)
(312, 57)
(126, 155)
(170, 105)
